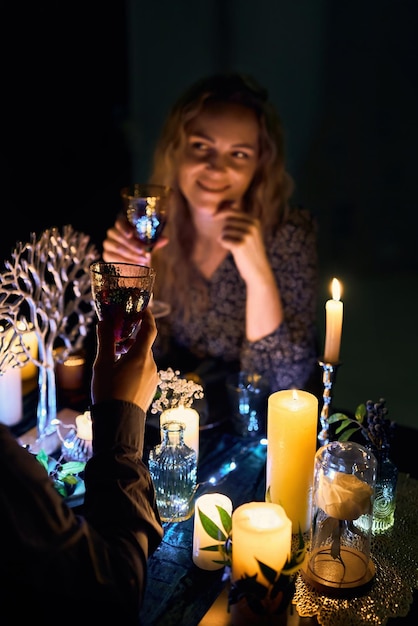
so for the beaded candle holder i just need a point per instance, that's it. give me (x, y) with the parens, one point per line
(328, 379)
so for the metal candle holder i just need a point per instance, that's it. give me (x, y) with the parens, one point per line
(328, 378)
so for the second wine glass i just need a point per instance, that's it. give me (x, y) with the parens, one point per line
(121, 292)
(146, 208)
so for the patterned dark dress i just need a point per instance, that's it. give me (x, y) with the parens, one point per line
(214, 344)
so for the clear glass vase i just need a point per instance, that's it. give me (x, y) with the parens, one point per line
(173, 469)
(385, 492)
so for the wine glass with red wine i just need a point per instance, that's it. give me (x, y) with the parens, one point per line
(121, 292)
(146, 208)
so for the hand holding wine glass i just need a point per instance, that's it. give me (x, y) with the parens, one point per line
(146, 209)
(121, 292)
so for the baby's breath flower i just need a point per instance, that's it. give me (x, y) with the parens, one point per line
(172, 391)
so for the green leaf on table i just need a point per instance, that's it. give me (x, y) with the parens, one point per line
(71, 468)
(211, 528)
(43, 458)
(226, 519)
(268, 572)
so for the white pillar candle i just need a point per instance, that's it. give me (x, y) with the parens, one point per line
(261, 531)
(208, 504)
(334, 323)
(292, 418)
(84, 426)
(11, 396)
(190, 418)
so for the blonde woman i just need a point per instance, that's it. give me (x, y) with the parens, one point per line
(237, 264)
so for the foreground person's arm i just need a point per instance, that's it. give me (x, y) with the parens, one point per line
(120, 500)
(64, 568)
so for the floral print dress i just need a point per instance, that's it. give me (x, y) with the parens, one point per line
(287, 356)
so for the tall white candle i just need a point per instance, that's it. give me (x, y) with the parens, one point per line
(261, 531)
(292, 419)
(208, 504)
(334, 323)
(11, 405)
(190, 418)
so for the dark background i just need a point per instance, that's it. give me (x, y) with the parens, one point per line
(86, 86)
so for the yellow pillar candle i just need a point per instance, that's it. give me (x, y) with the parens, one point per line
(292, 418)
(261, 531)
(30, 370)
(334, 323)
(208, 504)
(190, 418)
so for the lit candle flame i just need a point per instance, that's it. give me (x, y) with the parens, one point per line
(336, 289)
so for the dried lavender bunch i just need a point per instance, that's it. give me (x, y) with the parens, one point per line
(370, 420)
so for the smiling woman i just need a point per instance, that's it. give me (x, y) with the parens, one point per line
(233, 243)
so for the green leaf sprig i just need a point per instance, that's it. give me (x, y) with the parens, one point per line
(272, 598)
(65, 476)
(219, 534)
(370, 419)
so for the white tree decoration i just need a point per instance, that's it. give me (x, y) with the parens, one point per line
(46, 288)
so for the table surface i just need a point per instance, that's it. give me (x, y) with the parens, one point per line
(178, 592)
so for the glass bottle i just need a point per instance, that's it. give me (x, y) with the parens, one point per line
(342, 511)
(173, 469)
(385, 492)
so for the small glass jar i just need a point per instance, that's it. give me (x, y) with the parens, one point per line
(173, 469)
(339, 562)
(385, 492)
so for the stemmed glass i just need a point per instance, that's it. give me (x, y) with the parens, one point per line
(121, 292)
(146, 209)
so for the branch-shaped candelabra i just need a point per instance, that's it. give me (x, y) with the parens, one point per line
(328, 378)
(46, 288)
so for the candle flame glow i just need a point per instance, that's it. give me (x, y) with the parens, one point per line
(336, 289)
(294, 394)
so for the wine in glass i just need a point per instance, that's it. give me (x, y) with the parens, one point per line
(146, 209)
(121, 292)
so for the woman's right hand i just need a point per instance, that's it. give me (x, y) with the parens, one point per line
(122, 246)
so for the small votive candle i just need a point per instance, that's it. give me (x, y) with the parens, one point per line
(70, 372)
(208, 505)
(261, 533)
(190, 418)
(84, 426)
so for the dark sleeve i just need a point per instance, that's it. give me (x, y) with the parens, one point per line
(100, 557)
